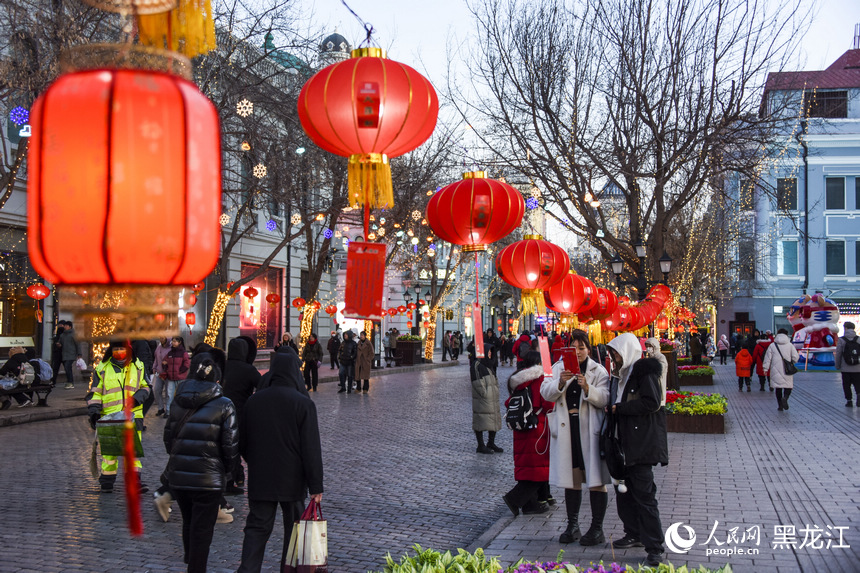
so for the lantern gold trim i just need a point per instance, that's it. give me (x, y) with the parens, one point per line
(368, 53)
(133, 6)
(475, 175)
(124, 57)
(473, 248)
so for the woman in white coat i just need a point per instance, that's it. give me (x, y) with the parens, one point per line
(575, 423)
(781, 349)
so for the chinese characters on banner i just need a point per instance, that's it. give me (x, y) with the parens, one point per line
(478, 330)
(545, 358)
(365, 276)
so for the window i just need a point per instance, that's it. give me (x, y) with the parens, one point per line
(834, 188)
(786, 260)
(830, 104)
(786, 194)
(746, 195)
(857, 193)
(835, 256)
(746, 260)
(857, 257)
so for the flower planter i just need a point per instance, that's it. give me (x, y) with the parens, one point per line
(696, 380)
(696, 423)
(410, 352)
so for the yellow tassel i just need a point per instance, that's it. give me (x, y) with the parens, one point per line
(370, 181)
(188, 29)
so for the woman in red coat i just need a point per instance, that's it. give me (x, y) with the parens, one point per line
(531, 447)
(758, 357)
(743, 368)
(557, 345)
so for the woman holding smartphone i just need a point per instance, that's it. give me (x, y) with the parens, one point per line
(580, 389)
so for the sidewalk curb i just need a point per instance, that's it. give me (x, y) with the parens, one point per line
(490, 534)
(39, 414)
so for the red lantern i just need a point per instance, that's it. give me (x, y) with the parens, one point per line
(570, 295)
(316, 305)
(191, 299)
(411, 306)
(426, 324)
(532, 265)
(38, 291)
(392, 311)
(475, 212)
(663, 323)
(421, 302)
(151, 160)
(273, 298)
(426, 314)
(401, 309)
(661, 293)
(368, 108)
(498, 321)
(250, 292)
(190, 319)
(331, 309)
(510, 321)
(607, 302)
(408, 324)
(299, 302)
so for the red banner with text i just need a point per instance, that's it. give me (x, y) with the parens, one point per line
(365, 278)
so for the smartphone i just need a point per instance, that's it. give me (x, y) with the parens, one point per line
(568, 356)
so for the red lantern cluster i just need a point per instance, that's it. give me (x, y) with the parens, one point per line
(38, 291)
(475, 212)
(633, 316)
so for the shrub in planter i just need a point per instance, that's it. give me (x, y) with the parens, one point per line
(692, 403)
(409, 338)
(695, 371)
(687, 360)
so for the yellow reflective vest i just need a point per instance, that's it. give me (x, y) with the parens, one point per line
(113, 384)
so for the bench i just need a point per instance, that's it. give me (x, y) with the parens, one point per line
(397, 358)
(41, 391)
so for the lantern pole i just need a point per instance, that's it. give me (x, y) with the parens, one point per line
(366, 220)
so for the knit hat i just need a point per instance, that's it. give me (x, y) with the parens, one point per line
(15, 350)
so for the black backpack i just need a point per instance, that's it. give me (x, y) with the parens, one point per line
(851, 352)
(520, 415)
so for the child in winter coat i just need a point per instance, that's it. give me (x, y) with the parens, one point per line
(743, 368)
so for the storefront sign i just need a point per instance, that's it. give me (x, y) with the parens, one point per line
(365, 277)
(10, 341)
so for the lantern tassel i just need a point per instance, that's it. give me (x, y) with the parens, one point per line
(370, 180)
(188, 29)
(533, 302)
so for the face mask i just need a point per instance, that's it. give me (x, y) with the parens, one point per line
(120, 354)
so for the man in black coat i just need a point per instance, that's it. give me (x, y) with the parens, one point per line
(332, 347)
(280, 440)
(241, 378)
(346, 356)
(642, 429)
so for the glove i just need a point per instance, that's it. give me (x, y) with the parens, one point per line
(94, 417)
(140, 396)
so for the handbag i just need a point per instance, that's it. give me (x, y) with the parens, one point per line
(611, 450)
(787, 365)
(308, 548)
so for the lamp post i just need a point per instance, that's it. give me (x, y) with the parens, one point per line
(641, 283)
(416, 329)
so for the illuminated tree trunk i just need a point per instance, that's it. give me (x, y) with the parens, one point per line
(430, 340)
(216, 317)
(308, 313)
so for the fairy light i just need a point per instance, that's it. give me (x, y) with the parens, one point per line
(216, 318)
(244, 107)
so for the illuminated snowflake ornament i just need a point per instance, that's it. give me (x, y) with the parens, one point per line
(271, 225)
(416, 215)
(244, 108)
(224, 219)
(260, 171)
(531, 203)
(19, 115)
(382, 231)
(296, 219)
(328, 233)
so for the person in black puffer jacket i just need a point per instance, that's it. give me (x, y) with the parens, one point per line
(201, 438)
(241, 379)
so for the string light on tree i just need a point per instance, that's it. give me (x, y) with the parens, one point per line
(246, 146)
(244, 107)
(531, 203)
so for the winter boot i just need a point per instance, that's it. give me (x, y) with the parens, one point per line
(107, 481)
(482, 449)
(572, 502)
(491, 443)
(599, 500)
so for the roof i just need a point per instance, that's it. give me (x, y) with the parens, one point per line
(285, 59)
(335, 43)
(841, 74)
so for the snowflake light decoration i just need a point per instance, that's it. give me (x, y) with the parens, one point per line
(382, 231)
(416, 215)
(531, 203)
(328, 233)
(244, 108)
(382, 220)
(535, 192)
(295, 219)
(224, 219)
(271, 225)
(431, 253)
(19, 115)
(432, 246)
(260, 171)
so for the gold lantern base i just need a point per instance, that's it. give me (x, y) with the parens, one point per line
(370, 180)
(533, 302)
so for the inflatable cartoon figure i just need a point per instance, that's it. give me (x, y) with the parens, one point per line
(815, 321)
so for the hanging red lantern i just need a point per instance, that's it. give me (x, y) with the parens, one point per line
(426, 324)
(426, 314)
(392, 311)
(160, 318)
(411, 306)
(661, 293)
(401, 309)
(273, 298)
(331, 309)
(532, 265)
(475, 212)
(663, 323)
(316, 305)
(510, 321)
(498, 321)
(190, 319)
(38, 291)
(191, 299)
(151, 160)
(408, 324)
(299, 302)
(607, 302)
(250, 292)
(421, 302)
(570, 294)
(368, 108)
(198, 287)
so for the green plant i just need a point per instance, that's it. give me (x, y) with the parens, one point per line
(431, 561)
(690, 403)
(686, 360)
(409, 338)
(701, 371)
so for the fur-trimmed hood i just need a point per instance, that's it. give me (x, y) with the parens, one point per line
(646, 367)
(524, 376)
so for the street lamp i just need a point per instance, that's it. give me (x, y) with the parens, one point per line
(641, 283)
(665, 266)
(416, 330)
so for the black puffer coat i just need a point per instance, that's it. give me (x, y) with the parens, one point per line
(240, 376)
(641, 419)
(205, 449)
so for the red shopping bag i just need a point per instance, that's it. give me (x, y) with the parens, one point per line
(308, 548)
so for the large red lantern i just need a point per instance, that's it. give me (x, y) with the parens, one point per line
(475, 212)
(566, 296)
(273, 298)
(38, 291)
(532, 265)
(607, 302)
(663, 323)
(116, 153)
(368, 108)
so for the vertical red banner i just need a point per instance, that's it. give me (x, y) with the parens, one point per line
(478, 330)
(365, 278)
(545, 357)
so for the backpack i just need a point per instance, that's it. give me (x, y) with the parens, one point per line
(851, 352)
(45, 370)
(26, 375)
(520, 415)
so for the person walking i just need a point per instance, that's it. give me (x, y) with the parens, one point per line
(312, 355)
(848, 362)
(159, 377)
(57, 352)
(280, 440)
(695, 349)
(486, 415)
(175, 365)
(574, 452)
(69, 353)
(723, 348)
(346, 356)
(240, 381)
(743, 369)
(531, 447)
(455, 346)
(446, 345)
(642, 431)
(363, 361)
(201, 438)
(118, 377)
(333, 346)
(758, 359)
(780, 352)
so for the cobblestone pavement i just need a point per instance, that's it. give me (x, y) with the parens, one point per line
(400, 468)
(771, 468)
